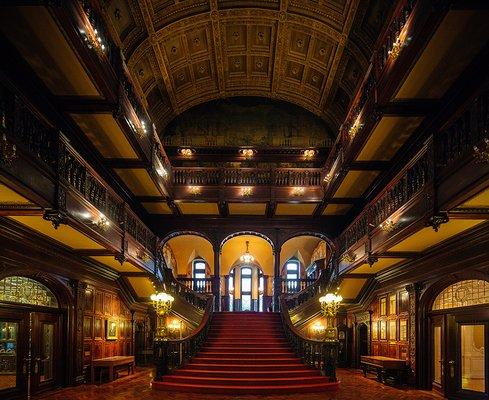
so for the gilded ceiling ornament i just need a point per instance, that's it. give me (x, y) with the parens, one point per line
(322, 51)
(300, 43)
(236, 35)
(261, 36)
(259, 64)
(173, 49)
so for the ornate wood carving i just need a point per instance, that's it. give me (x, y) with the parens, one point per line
(414, 291)
(78, 289)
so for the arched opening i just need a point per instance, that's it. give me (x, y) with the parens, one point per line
(247, 264)
(32, 318)
(301, 260)
(191, 259)
(459, 337)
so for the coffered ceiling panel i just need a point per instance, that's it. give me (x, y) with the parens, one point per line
(195, 51)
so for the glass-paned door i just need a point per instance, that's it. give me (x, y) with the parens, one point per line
(13, 342)
(467, 360)
(246, 287)
(437, 367)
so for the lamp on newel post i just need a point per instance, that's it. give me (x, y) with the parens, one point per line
(162, 303)
(330, 304)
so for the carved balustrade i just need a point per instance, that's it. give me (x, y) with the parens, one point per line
(247, 176)
(469, 130)
(199, 285)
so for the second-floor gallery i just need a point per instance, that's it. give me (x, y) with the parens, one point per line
(214, 198)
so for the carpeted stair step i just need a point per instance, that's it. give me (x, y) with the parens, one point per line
(237, 372)
(196, 365)
(246, 390)
(245, 354)
(248, 381)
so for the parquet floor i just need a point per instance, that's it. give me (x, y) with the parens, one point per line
(353, 387)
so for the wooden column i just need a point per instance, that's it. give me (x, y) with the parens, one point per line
(277, 281)
(216, 284)
(225, 300)
(78, 288)
(414, 291)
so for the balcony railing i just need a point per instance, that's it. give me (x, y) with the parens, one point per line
(469, 130)
(50, 148)
(295, 285)
(199, 285)
(247, 176)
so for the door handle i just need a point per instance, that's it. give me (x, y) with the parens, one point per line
(451, 364)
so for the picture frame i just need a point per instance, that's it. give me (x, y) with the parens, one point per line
(111, 328)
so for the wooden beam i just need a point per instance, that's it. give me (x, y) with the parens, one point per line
(129, 163)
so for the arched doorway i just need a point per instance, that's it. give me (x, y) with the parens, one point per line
(459, 338)
(31, 340)
(247, 263)
(246, 288)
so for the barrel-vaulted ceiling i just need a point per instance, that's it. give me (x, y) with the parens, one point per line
(312, 53)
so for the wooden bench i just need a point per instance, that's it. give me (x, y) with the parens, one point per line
(112, 364)
(384, 367)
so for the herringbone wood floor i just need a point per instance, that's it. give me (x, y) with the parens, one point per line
(353, 386)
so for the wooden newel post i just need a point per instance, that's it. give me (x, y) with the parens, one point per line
(161, 358)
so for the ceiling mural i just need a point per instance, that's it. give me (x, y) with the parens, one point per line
(247, 122)
(308, 53)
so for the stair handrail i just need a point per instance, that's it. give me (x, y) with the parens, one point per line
(318, 354)
(170, 354)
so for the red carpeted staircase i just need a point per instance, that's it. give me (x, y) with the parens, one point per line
(245, 353)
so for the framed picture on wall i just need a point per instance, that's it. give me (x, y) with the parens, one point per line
(383, 330)
(111, 329)
(98, 331)
(403, 329)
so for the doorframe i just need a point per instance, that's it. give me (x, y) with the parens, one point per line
(424, 340)
(66, 309)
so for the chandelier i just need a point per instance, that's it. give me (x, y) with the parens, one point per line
(330, 304)
(8, 151)
(247, 258)
(162, 303)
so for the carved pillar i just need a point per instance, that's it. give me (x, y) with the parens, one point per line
(78, 288)
(216, 284)
(414, 291)
(277, 281)
(225, 300)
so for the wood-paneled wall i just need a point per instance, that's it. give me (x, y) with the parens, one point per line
(101, 308)
(390, 328)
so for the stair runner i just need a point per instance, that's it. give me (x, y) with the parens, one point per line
(245, 353)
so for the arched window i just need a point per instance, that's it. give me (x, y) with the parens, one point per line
(198, 269)
(463, 294)
(292, 269)
(19, 289)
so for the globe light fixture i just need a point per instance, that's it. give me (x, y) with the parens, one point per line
(247, 258)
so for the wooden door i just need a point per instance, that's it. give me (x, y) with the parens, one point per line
(14, 342)
(47, 348)
(467, 358)
(438, 353)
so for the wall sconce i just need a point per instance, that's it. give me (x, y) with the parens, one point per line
(355, 128)
(310, 153)
(246, 191)
(482, 153)
(194, 190)
(297, 191)
(318, 328)
(328, 178)
(186, 152)
(349, 257)
(160, 170)
(400, 42)
(8, 151)
(388, 225)
(93, 40)
(247, 153)
(142, 255)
